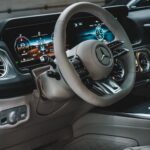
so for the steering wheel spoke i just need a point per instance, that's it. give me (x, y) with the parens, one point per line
(120, 52)
(111, 86)
(79, 67)
(117, 48)
(102, 88)
(115, 44)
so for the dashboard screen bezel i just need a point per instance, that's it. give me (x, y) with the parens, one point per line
(10, 34)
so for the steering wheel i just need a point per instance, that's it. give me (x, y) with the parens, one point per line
(88, 72)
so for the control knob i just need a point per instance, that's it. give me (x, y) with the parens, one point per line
(12, 117)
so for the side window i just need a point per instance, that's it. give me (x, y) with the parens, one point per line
(143, 3)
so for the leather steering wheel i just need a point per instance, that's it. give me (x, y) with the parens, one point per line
(88, 73)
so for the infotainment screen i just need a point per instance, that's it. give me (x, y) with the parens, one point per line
(28, 43)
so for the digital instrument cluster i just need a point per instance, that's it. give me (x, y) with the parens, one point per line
(29, 43)
(35, 47)
(92, 29)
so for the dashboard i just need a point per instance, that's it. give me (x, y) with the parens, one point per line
(29, 42)
(24, 40)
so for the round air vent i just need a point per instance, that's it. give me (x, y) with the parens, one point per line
(144, 63)
(3, 67)
(118, 72)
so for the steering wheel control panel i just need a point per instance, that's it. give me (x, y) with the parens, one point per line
(13, 116)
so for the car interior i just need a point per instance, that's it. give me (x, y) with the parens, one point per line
(75, 77)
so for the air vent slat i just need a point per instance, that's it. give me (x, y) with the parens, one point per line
(3, 67)
(143, 60)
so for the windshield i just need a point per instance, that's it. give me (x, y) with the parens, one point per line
(30, 4)
(10, 8)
